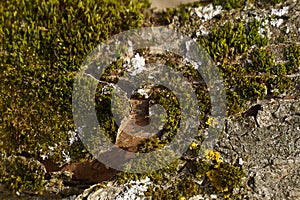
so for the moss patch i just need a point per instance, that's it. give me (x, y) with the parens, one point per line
(43, 44)
(21, 174)
(223, 177)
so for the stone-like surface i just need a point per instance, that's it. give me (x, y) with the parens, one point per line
(100, 191)
(273, 149)
(110, 191)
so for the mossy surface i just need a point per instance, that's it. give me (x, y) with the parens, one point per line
(43, 44)
(220, 178)
(228, 46)
(21, 174)
(292, 53)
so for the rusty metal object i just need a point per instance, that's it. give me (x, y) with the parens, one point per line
(134, 128)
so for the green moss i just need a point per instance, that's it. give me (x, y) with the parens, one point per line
(253, 35)
(279, 85)
(292, 53)
(163, 96)
(231, 40)
(103, 99)
(261, 61)
(230, 4)
(272, 2)
(21, 174)
(199, 168)
(160, 176)
(259, 77)
(182, 11)
(183, 189)
(225, 177)
(42, 45)
(279, 69)
(151, 144)
(252, 77)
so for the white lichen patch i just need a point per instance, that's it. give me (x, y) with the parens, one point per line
(107, 89)
(276, 22)
(72, 137)
(134, 190)
(208, 12)
(280, 12)
(241, 161)
(65, 156)
(137, 65)
(264, 30)
(142, 92)
(44, 157)
(202, 31)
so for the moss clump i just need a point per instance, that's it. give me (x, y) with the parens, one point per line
(160, 176)
(43, 44)
(223, 177)
(272, 75)
(249, 77)
(261, 62)
(292, 53)
(199, 168)
(183, 189)
(272, 2)
(151, 144)
(230, 4)
(21, 174)
(259, 77)
(103, 98)
(182, 11)
(232, 45)
(231, 40)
